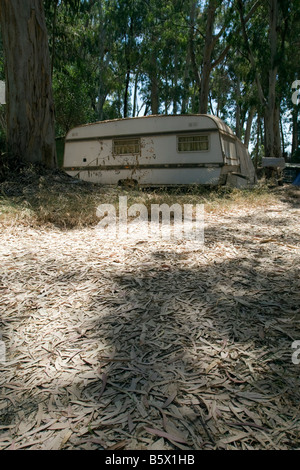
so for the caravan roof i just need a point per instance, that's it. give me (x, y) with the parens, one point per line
(149, 125)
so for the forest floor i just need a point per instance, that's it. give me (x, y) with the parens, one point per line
(148, 344)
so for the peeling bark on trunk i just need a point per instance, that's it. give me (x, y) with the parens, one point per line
(30, 108)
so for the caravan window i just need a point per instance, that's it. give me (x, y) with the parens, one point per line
(193, 143)
(126, 147)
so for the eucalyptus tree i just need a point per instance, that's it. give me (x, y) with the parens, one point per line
(30, 108)
(266, 54)
(290, 74)
(126, 22)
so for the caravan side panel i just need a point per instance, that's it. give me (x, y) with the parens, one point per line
(160, 160)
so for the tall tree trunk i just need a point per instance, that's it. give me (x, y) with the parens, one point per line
(135, 93)
(186, 85)
(175, 84)
(208, 65)
(128, 50)
(268, 102)
(54, 35)
(258, 141)
(192, 55)
(272, 133)
(282, 138)
(154, 85)
(204, 90)
(30, 108)
(100, 103)
(103, 64)
(295, 141)
(249, 126)
(238, 108)
(126, 93)
(207, 57)
(272, 115)
(279, 149)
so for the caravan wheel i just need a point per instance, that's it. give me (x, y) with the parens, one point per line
(128, 183)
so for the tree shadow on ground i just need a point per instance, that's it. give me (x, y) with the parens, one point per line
(217, 335)
(193, 347)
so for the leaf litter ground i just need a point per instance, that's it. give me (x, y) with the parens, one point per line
(153, 344)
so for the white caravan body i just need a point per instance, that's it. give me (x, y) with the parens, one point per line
(158, 150)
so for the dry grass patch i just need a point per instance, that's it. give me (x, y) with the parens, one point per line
(55, 200)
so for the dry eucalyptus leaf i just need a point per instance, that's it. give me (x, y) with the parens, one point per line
(152, 345)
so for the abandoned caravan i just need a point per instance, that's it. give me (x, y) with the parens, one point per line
(158, 150)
